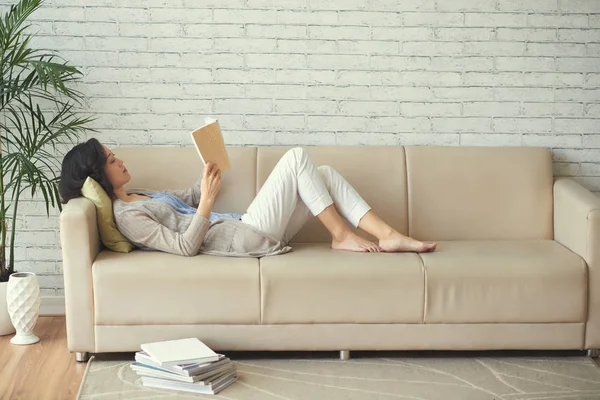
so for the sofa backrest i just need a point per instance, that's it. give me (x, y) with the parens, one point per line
(376, 172)
(427, 192)
(476, 193)
(159, 168)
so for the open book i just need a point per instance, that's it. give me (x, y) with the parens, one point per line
(209, 142)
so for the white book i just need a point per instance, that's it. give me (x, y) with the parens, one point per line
(214, 388)
(181, 369)
(181, 351)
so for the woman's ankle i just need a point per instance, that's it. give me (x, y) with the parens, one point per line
(391, 234)
(340, 235)
(334, 223)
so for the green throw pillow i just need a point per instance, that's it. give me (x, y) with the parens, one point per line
(109, 234)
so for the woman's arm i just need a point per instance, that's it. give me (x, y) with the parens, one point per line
(141, 228)
(205, 207)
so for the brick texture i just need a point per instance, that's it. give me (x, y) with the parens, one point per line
(345, 72)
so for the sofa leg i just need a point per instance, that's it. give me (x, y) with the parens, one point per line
(594, 353)
(344, 355)
(82, 356)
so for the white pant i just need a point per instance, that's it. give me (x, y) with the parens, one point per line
(276, 210)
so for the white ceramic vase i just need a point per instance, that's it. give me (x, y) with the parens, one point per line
(23, 298)
(6, 326)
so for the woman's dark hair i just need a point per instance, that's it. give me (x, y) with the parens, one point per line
(85, 159)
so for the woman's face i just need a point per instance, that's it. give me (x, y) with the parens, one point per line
(115, 170)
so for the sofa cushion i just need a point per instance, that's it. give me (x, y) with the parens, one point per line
(150, 287)
(109, 234)
(474, 193)
(378, 173)
(315, 284)
(522, 281)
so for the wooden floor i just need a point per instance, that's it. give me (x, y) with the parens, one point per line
(45, 370)
(42, 371)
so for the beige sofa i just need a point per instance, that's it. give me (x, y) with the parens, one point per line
(517, 264)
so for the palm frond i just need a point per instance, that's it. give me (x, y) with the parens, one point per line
(64, 127)
(36, 74)
(54, 73)
(16, 17)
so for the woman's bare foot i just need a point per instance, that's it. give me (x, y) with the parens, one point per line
(397, 242)
(352, 242)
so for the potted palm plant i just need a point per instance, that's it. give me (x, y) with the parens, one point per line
(37, 116)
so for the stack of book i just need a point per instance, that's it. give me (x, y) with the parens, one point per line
(186, 364)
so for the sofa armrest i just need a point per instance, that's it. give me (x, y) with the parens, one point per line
(80, 243)
(577, 227)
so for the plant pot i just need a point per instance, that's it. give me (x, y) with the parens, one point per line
(6, 326)
(23, 298)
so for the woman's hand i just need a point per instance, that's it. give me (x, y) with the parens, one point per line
(211, 182)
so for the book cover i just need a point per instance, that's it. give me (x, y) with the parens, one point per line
(181, 351)
(210, 145)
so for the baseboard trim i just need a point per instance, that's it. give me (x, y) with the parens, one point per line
(52, 305)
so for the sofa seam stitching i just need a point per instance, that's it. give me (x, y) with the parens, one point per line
(587, 305)
(587, 255)
(260, 294)
(260, 306)
(408, 207)
(424, 288)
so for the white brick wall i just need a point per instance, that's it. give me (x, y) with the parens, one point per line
(373, 72)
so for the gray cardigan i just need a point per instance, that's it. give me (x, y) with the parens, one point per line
(157, 226)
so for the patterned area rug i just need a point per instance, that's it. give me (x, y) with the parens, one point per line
(369, 376)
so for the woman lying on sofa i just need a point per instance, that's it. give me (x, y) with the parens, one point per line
(181, 221)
